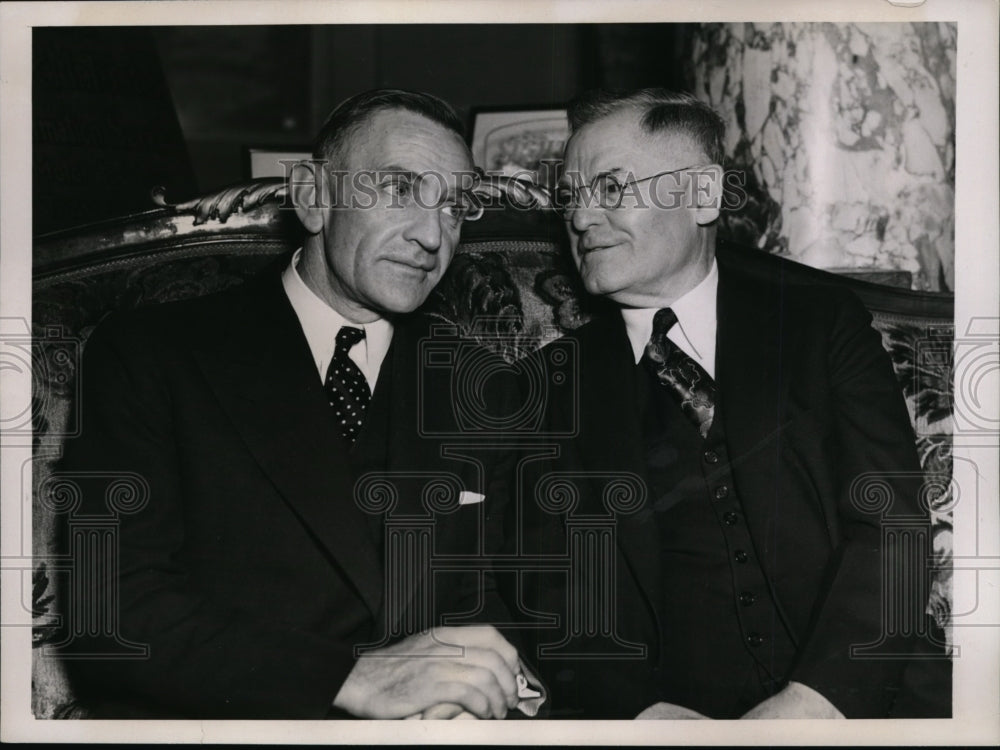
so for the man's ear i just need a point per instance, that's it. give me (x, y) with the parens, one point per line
(306, 187)
(707, 187)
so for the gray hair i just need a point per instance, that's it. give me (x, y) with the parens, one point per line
(661, 111)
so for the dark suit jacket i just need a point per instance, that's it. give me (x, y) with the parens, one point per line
(251, 572)
(810, 403)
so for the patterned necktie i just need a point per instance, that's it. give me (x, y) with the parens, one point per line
(346, 387)
(686, 380)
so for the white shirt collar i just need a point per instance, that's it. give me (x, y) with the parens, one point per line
(696, 323)
(320, 324)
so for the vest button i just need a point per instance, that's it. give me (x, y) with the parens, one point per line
(711, 457)
(755, 639)
(731, 518)
(721, 492)
(741, 556)
(747, 598)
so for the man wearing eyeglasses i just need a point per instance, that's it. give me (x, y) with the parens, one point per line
(256, 575)
(747, 406)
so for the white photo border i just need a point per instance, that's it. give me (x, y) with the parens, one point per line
(977, 239)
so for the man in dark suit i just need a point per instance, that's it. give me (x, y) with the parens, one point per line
(757, 416)
(276, 428)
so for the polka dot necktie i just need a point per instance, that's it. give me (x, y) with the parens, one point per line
(346, 387)
(687, 381)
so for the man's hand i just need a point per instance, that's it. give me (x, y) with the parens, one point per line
(797, 701)
(426, 670)
(669, 711)
(444, 711)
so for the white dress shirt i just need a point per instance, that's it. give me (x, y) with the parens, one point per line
(320, 323)
(696, 324)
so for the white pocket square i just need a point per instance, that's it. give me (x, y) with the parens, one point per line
(470, 498)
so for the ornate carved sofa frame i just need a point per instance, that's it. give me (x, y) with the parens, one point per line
(512, 271)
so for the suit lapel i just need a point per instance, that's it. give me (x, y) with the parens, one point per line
(611, 437)
(405, 442)
(264, 376)
(753, 366)
(408, 449)
(418, 393)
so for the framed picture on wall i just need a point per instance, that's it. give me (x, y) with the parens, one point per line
(519, 142)
(271, 161)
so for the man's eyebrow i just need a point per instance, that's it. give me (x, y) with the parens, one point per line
(451, 193)
(610, 170)
(576, 177)
(397, 170)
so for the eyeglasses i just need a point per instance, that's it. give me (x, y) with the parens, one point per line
(605, 191)
(467, 209)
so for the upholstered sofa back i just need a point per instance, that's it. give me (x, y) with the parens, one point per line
(511, 285)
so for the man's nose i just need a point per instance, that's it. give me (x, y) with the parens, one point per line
(424, 228)
(584, 217)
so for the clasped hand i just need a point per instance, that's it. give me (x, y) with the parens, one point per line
(441, 673)
(795, 701)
